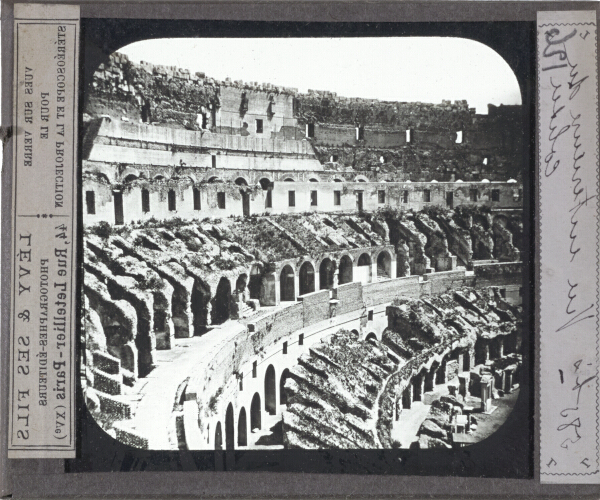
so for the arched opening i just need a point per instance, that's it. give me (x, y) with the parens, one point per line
(214, 179)
(354, 332)
(255, 413)
(287, 284)
(218, 437)
(221, 302)
(289, 179)
(241, 283)
(371, 336)
(384, 265)
(466, 362)
(313, 179)
(282, 395)
(242, 429)
(406, 399)
(229, 436)
(429, 379)
(199, 304)
(417, 384)
(306, 276)
(440, 374)
(130, 178)
(363, 269)
(481, 351)
(326, 274)
(270, 391)
(255, 279)
(267, 186)
(345, 273)
(240, 181)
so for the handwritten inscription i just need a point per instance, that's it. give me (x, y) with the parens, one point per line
(569, 205)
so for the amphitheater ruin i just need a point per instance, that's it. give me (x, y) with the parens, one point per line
(270, 269)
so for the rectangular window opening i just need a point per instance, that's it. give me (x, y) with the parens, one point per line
(269, 199)
(90, 202)
(292, 198)
(213, 159)
(145, 201)
(313, 198)
(254, 369)
(473, 194)
(196, 199)
(285, 348)
(409, 136)
(259, 126)
(301, 339)
(381, 197)
(426, 195)
(172, 201)
(495, 195)
(360, 133)
(337, 198)
(459, 137)
(370, 316)
(221, 200)
(405, 197)
(310, 130)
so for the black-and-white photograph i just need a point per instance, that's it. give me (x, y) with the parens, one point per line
(304, 243)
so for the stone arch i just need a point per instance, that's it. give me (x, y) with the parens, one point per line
(218, 437)
(241, 283)
(199, 303)
(256, 272)
(287, 283)
(384, 265)
(282, 395)
(345, 270)
(289, 179)
(241, 181)
(159, 177)
(229, 428)
(221, 308)
(213, 179)
(131, 177)
(270, 391)
(242, 434)
(355, 332)
(336, 179)
(326, 274)
(306, 278)
(361, 178)
(371, 336)
(265, 183)
(363, 268)
(313, 179)
(255, 413)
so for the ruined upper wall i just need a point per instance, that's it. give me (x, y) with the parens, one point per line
(449, 139)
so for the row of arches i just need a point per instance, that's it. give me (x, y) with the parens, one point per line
(327, 271)
(234, 436)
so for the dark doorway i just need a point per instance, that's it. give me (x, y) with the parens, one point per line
(118, 197)
(287, 284)
(307, 278)
(359, 201)
(218, 437)
(270, 391)
(255, 281)
(326, 274)
(242, 429)
(282, 394)
(406, 399)
(245, 203)
(199, 305)
(345, 275)
(255, 415)
(229, 436)
(221, 302)
(172, 201)
(450, 199)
